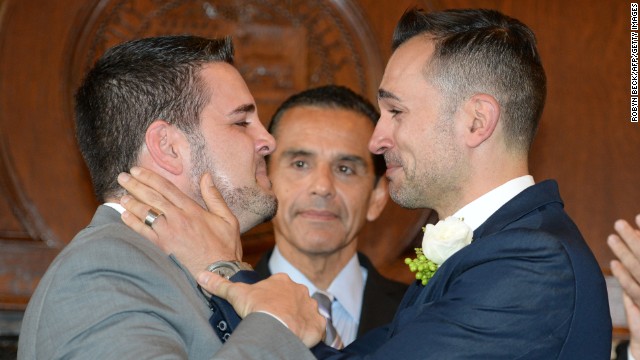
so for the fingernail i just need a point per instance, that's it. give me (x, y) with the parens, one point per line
(619, 225)
(135, 171)
(123, 177)
(209, 180)
(614, 264)
(125, 199)
(611, 240)
(204, 277)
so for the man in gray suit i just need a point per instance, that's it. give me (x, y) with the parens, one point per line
(177, 106)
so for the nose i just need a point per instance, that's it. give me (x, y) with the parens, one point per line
(265, 142)
(322, 181)
(381, 140)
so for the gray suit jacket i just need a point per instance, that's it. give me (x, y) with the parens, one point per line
(111, 294)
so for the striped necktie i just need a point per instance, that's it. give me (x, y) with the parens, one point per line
(332, 337)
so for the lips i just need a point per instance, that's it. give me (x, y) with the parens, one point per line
(393, 163)
(261, 170)
(261, 167)
(391, 170)
(318, 215)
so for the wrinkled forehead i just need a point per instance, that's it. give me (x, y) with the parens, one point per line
(326, 130)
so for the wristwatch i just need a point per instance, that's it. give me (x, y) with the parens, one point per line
(228, 268)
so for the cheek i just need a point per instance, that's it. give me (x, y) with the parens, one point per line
(282, 185)
(355, 203)
(286, 199)
(238, 149)
(414, 144)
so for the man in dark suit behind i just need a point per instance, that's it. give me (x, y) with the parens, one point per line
(328, 186)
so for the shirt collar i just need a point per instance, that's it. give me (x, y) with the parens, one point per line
(347, 287)
(478, 211)
(117, 207)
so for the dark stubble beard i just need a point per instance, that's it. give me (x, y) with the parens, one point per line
(250, 204)
(436, 184)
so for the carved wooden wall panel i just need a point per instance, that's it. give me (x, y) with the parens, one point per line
(284, 46)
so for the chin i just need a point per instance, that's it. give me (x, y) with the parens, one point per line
(401, 197)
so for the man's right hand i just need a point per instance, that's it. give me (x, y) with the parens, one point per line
(278, 296)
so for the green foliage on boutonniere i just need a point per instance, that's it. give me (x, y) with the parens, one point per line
(440, 241)
(423, 267)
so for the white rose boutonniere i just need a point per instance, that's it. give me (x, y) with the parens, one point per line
(440, 241)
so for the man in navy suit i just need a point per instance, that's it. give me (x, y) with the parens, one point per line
(460, 100)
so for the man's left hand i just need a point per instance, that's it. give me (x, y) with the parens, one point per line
(197, 237)
(277, 295)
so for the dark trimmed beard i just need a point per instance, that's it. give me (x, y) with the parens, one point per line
(250, 204)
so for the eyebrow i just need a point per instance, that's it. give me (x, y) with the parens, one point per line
(295, 152)
(355, 159)
(341, 157)
(384, 94)
(245, 108)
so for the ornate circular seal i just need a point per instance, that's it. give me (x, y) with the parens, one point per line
(282, 46)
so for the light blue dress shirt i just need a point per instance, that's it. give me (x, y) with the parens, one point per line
(347, 289)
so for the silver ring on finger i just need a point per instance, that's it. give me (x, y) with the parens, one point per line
(151, 217)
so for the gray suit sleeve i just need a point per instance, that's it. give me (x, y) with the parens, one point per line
(113, 295)
(260, 336)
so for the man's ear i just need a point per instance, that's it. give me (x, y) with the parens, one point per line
(165, 144)
(378, 199)
(482, 113)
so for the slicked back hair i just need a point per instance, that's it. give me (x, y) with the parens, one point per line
(132, 85)
(483, 51)
(333, 97)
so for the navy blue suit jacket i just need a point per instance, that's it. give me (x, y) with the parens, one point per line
(527, 287)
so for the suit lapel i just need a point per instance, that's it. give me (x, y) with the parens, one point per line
(262, 267)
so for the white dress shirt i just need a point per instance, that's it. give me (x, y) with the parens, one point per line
(117, 207)
(479, 210)
(347, 289)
